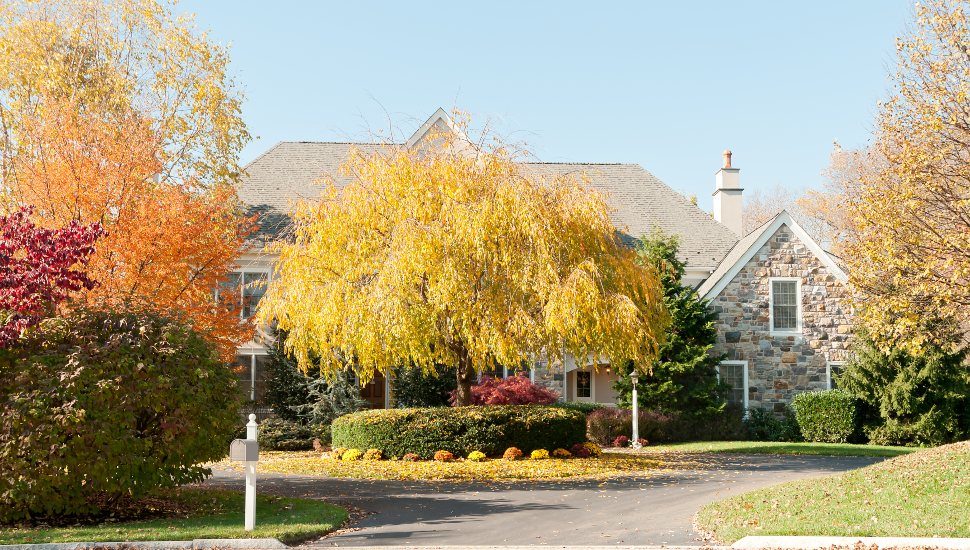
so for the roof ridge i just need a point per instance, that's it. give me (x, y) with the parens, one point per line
(583, 163)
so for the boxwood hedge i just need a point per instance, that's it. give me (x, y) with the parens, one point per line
(490, 429)
(825, 416)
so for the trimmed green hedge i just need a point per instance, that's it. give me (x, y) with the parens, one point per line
(490, 429)
(825, 416)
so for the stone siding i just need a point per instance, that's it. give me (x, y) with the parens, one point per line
(783, 365)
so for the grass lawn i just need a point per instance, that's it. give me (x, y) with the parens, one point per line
(782, 448)
(211, 514)
(922, 494)
(312, 463)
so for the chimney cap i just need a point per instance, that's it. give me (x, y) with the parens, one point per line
(727, 158)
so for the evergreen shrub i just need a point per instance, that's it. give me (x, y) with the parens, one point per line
(825, 416)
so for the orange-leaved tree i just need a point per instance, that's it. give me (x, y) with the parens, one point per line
(167, 246)
(454, 255)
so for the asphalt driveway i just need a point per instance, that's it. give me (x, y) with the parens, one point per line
(655, 510)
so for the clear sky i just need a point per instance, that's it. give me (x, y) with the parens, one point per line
(667, 85)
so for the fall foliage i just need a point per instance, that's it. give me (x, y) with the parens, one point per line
(911, 257)
(39, 268)
(113, 58)
(451, 255)
(166, 247)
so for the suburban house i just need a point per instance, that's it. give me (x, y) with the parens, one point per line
(784, 320)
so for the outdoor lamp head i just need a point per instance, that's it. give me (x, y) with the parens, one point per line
(634, 376)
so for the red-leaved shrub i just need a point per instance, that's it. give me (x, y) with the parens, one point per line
(621, 441)
(514, 390)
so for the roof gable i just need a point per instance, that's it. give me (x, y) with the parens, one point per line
(746, 248)
(437, 123)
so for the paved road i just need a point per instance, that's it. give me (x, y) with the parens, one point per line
(651, 510)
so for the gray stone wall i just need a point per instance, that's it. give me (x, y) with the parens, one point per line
(549, 374)
(781, 366)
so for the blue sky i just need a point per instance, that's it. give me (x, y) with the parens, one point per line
(667, 85)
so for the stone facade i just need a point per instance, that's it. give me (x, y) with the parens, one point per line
(780, 366)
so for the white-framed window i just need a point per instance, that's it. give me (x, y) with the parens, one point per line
(248, 287)
(583, 382)
(833, 369)
(252, 374)
(504, 372)
(785, 305)
(735, 374)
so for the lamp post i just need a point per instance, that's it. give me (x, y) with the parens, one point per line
(636, 410)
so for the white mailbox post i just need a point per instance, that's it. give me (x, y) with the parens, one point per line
(247, 450)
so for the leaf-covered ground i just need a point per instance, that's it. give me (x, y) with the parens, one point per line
(609, 465)
(199, 513)
(923, 494)
(782, 448)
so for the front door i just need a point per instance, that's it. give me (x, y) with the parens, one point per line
(373, 392)
(583, 386)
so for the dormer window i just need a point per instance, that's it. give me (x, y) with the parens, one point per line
(785, 305)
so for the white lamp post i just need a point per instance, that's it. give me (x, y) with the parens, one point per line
(636, 410)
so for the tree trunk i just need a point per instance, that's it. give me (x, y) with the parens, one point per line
(466, 377)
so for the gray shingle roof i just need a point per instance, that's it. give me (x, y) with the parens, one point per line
(291, 171)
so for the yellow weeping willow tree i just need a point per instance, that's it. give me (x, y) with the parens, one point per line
(454, 255)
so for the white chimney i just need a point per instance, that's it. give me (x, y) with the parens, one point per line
(727, 196)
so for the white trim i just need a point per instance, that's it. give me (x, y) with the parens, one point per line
(828, 372)
(771, 307)
(252, 353)
(783, 218)
(441, 115)
(744, 376)
(592, 386)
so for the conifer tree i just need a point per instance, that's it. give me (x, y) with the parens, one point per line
(910, 398)
(683, 379)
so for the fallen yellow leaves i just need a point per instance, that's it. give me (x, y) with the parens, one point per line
(312, 463)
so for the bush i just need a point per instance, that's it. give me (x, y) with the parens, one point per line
(443, 456)
(352, 455)
(115, 404)
(585, 408)
(460, 430)
(825, 416)
(338, 452)
(411, 457)
(594, 450)
(606, 424)
(764, 425)
(621, 441)
(514, 390)
(282, 435)
(539, 454)
(580, 450)
(476, 456)
(415, 388)
(562, 453)
(373, 454)
(512, 453)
